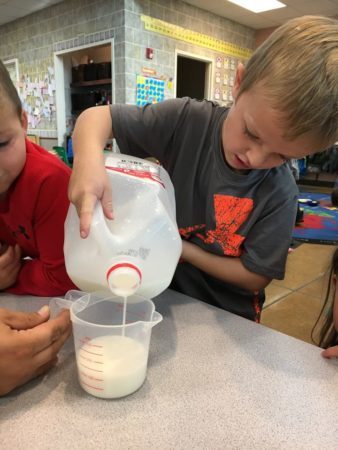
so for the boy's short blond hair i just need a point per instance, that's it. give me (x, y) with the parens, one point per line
(8, 91)
(297, 67)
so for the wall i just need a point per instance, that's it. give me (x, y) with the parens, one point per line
(33, 39)
(264, 33)
(261, 35)
(73, 23)
(137, 39)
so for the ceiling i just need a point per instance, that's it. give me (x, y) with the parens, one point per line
(294, 8)
(14, 9)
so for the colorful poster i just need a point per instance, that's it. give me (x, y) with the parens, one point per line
(149, 90)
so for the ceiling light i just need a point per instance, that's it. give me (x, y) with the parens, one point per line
(258, 6)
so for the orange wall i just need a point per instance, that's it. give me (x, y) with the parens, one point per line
(261, 35)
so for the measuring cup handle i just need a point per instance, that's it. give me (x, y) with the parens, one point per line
(74, 295)
(56, 305)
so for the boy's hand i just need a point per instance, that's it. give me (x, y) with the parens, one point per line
(331, 352)
(89, 183)
(29, 345)
(10, 264)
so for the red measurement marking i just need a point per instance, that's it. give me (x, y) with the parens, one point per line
(86, 341)
(92, 353)
(89, 368)
(140, 314)
(90, 360)
(90, 377)
(92, 387)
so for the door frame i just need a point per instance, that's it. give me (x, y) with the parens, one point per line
(208, 73)
(63, 78)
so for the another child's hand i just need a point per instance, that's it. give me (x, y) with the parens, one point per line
(29, 344)
(89, 183)
(10, 264)
(331, 352)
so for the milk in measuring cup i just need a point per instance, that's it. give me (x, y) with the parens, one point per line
(112, 366)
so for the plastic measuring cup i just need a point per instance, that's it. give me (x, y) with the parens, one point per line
(111, 358)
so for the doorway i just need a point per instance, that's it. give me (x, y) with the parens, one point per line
(72, 95)
(193, 75)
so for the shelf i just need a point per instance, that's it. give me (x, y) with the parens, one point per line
(91, 83)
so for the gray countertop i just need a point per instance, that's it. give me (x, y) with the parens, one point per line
(214, 381)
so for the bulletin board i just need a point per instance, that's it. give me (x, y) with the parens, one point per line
(149, 90)
(37, 96)
(225, 73)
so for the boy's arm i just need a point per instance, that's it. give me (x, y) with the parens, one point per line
(89, 181)
(225, 268)
(140, 132)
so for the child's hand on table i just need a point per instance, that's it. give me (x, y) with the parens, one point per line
(29, 344)
(10, 263)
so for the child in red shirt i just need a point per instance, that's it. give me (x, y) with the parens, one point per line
(33, 206)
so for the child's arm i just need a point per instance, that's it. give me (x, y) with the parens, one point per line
(332, 352)
(89, 181)
(225, 268)
(45, 273)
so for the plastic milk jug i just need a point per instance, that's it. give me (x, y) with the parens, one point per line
(139, 249)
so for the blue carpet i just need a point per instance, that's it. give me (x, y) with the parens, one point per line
(320, 224)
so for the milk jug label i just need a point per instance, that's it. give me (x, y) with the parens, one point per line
(137, 169)
(141, 252)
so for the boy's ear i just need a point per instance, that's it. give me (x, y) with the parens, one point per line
(24, 120)
(238, 79)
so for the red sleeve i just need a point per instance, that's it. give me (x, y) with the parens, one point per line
(46, 275)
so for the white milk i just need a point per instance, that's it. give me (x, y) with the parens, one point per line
(111, 366)
(124, 314)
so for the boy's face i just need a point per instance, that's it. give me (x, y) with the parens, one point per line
(12, 144)
(252, 135)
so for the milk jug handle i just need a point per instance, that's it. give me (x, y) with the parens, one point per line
(101, 233)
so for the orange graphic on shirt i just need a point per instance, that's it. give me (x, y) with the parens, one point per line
(230, 213)
(188, 231)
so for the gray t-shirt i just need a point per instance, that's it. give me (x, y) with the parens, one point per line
(250, 216)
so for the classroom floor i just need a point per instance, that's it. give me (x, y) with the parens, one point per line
(293, 304)
(322, 176)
